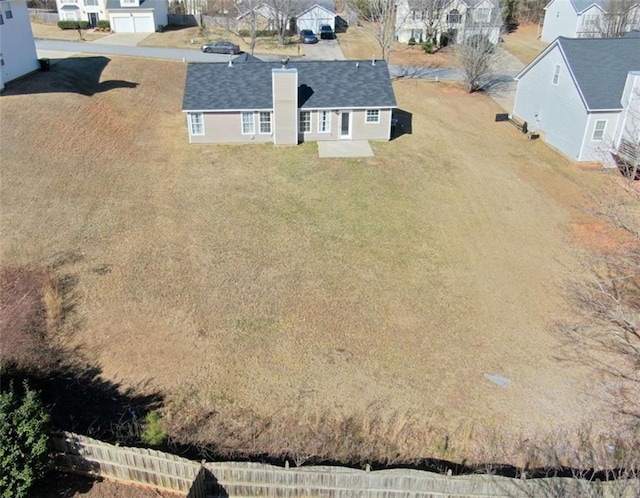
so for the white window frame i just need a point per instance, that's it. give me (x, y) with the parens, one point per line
(196, 124)
(91, 3)
(372, 116)
(267, 121)
(556, 74)
(301, 127)
(486, 15)
(248, 123)
(324, 121)
(129, 2)
(598, 131)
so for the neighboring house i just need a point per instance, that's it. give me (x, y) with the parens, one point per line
(288, 103)
(82, 10)
(265, 18)
(450, 21)
(577, 92)
(315, 13)
(589, 18)
(17, 50)
(136, 16)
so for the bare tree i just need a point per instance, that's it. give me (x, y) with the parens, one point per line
(283, 11)
(477, 56)
(618, 18)
(431, 13)
(380, 20)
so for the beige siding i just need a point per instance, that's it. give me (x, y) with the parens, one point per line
(359, 129)
(285, 106)
(226, 127)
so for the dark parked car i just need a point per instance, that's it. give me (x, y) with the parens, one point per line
(220, 47)
(307, 36)
(326, 32)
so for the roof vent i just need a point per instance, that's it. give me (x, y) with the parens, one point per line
(230, 62)
(373, 60)
(357, 65)
(284, 62)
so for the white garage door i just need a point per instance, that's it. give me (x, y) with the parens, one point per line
(143, 24)
(122, 24)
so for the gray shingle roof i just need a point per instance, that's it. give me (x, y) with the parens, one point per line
(307, 4)
(247, 85)
(600, 67)
(582, 5)
(144, 4)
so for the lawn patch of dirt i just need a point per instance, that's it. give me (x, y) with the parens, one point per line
(53, 32)
(61, 485)
(268, 283)
(524, 42)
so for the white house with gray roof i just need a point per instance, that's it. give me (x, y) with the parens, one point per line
(578, 93)
(288, 103)
(453, 20)
(586, 18)
(17, 49)
(315, 13)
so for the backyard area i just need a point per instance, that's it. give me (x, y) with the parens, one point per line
(269, 283)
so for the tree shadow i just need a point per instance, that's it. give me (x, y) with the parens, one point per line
(72, 75)
(401, 123)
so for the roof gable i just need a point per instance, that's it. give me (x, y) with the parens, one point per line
(598, 66)
(247, 86)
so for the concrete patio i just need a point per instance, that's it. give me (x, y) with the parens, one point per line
(345, 148)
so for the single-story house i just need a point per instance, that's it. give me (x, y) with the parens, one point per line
(315, 13)
(288, 102)
(17, 49)
(137, 16)
(588, 18)
(577, 94)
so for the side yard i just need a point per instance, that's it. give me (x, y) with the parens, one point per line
(263, 283)
(524, 42)
(53, 32)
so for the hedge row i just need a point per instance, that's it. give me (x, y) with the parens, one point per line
(104, 25)
(73, 24)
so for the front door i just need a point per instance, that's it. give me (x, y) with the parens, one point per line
(345, 125)
(93, 19)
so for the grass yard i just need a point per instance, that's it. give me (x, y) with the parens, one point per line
(176, 37)
(53, 32)
(524, 42)
(263, 280)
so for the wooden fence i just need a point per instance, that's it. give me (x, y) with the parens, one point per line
(168, 472)
(43, 16)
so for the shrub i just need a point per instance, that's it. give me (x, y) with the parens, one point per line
(24, 457)
(84, 24)
(153, 432)
(68, 24)
(428, 47)
(104, 25)
(412, 41)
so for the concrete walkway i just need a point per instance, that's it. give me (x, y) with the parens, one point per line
(345, 148)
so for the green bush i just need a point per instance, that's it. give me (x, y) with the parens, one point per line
(428, 47)
(153, 433)
(104, 25)
(73, 24)
(24, 456)
(412, 41)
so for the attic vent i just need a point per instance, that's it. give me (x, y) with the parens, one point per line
(284, 62)
(373, 60)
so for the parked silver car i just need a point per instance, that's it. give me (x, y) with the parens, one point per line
(220, 47)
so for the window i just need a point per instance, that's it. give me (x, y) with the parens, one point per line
(91, 3)
(373, 116)
(453, 17)
(590, 20)
(129, 2)
(265, 122)
(598, 130)
(324, 122)
(1, 19)
(196, 124)
(417, 15)
(482, 15)
(8, 13)
(556, 74)
(305, 121)
(416, 34)
(248, 124)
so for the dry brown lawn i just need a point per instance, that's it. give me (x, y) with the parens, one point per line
(524, 42)
(53, 32)
(182, 38)
(358, 43)
(268, 279)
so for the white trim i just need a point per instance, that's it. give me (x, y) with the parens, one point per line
(366, 116)
(340, 135)
(595, 129)
(328, 121)
(191, 123)
(556, 75)
(383, 108)
(300, 130)
(253, 122)
(270, 114)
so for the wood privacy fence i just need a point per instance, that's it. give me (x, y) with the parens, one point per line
(184, 477)
(43, 16)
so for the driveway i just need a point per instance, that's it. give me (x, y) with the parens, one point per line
(324, 50)
(126, 39)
